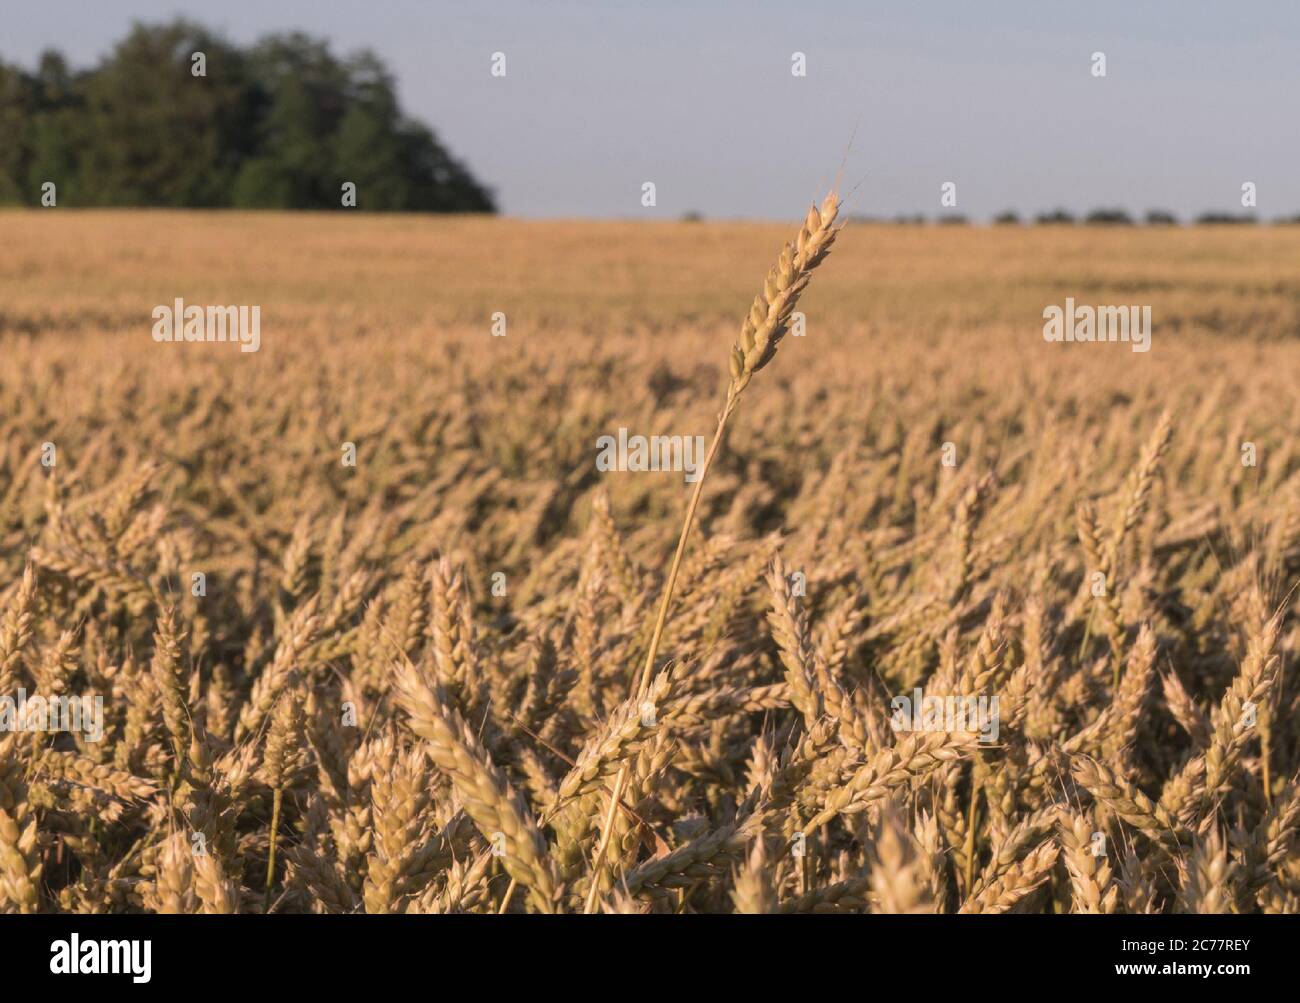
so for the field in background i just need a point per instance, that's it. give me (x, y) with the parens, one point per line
(73, 268)
(475, 456)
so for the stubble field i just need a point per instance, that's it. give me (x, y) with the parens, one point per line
(410, 684)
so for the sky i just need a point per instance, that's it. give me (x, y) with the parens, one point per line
(698, 97)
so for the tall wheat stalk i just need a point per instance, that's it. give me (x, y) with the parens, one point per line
(763, 328)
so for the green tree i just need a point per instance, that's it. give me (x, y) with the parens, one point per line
(155, 134)
(369, 149)
(281, 125)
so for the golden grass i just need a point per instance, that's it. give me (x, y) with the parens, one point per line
(353, 719)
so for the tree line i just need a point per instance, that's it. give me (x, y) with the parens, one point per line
(283, 124)
(1097, 217)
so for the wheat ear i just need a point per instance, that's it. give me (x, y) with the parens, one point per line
(488, 798)
(763, 328)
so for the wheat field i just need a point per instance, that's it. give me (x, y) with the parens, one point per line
(430, 681)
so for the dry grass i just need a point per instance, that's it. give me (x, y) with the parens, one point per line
(353, 719)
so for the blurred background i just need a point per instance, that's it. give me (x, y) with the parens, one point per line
(598, 98)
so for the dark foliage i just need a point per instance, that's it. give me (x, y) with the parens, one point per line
(283, 124)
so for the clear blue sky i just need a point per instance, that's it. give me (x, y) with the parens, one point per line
(699, 98)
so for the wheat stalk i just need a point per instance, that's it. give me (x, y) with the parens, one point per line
(762, 330)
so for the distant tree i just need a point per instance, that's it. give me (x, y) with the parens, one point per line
(1007, 217)
(301, 91)
(443, 184)
(1108, 217)
(18, 108)
(1054, 217)
(369, 148)
(281, 125)
(1159, 217)
(54, 134)
(1225, 219)
(953, 219)
(150, 132)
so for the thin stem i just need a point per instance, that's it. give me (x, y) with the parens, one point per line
(276, 798)
(1264, 753)
(648, 669)
(972, 820)
(653, 651)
